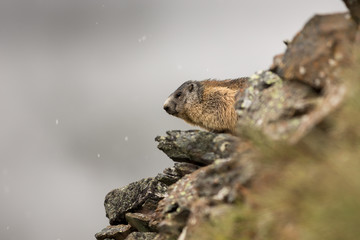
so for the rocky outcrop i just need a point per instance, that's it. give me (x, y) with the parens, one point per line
(274, 106)
(194, 197)
(141, 196)
(197, 147)
(215, 173)
(163, 204)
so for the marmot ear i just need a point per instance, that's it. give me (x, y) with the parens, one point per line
(191, 87)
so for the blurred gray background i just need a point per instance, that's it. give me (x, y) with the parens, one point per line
(82, 88)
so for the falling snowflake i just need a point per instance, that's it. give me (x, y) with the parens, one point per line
(98, 155)
(57, 121)
(179, 67)
(142, 39)
(126, 138)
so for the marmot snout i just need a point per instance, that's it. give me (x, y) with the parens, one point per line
(208, 104)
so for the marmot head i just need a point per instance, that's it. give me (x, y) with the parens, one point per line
(183, 98)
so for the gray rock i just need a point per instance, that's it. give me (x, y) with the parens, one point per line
(139, 221)
(314, 59)
(143, 194)
(173, 174)
(197, 147)
(169, 176)
(195, 193)
(274, 106)
(185, 168)
(141, 236)
(118, 232)
(222, 180)
(315, 54)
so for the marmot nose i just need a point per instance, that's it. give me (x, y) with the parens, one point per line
(166, 108)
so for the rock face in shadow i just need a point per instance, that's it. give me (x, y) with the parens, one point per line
(214, 171)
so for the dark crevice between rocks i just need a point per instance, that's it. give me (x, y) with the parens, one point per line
(171, 208)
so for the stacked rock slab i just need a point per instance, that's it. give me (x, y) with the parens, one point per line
(134, 209)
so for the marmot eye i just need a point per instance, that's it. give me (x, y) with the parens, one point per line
(178, 95)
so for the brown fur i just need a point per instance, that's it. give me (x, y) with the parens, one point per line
(208, 104)
(236, 84)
